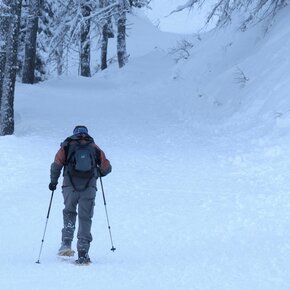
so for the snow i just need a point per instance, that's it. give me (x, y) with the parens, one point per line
(199, 193)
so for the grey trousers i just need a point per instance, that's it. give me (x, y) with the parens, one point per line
(79, 204)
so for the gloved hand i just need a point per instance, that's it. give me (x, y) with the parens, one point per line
(52, 186)
(100, 174)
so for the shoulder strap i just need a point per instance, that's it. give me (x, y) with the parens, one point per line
(65, 145)
(98, 156)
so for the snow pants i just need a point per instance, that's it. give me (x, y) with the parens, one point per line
(81, 204)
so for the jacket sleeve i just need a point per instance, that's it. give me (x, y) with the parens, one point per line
(103, 163)
(57, 165)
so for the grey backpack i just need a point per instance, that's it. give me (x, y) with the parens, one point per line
(81, 162)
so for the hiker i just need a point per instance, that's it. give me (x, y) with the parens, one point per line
(83, 161)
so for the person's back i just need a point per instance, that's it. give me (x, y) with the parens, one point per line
(77, 148)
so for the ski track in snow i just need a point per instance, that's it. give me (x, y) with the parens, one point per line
(192, 205)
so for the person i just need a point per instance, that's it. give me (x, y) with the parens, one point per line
(78, 188)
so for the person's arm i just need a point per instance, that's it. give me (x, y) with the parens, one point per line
(56, 166)
(104, 164)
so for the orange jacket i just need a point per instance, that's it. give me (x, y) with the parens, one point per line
(61, 156)
(104, 165)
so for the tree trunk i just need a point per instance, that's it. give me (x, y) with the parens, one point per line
(7, 101)
(30, 42)
(59, 59)
(4, 26)
(121, 36)
(85, 41)
(104, 47)
(107, 32)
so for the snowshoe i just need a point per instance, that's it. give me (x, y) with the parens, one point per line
(66, 253)
(83, 259)
(65, 249)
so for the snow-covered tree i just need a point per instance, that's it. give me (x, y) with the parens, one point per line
(4, 25)
(253, 10)
(72, 28)
(121, 32)
(85, 49)
(107, 32)
(28, 72)
(139, 3)
(7, 100)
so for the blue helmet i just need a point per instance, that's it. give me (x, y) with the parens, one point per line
(80, 130)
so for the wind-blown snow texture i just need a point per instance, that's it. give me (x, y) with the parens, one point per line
(199, 193)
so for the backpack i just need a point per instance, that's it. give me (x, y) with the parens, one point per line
(83, 163)
(80, 161)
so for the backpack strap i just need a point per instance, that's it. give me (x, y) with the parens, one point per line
(73, 184)
(65, 145)
(98, 157)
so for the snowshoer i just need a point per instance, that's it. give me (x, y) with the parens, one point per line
(83, 161)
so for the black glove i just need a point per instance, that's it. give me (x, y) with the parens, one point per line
(100, 174)
(52, 186)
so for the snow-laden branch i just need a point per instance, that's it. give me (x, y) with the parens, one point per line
(188, 5)
(68, 31)
(253, 10)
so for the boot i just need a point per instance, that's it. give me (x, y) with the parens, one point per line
(83, 259)
(65, 249)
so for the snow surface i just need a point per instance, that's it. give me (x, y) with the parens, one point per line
(199, 193)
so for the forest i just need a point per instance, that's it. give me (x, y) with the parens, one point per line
(38, 36)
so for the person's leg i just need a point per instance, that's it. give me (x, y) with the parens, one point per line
(69, 217)
(85, 214)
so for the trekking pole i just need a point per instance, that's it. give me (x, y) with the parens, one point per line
(105, 204)
(48, 212)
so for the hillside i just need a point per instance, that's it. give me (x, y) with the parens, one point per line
(199, 193)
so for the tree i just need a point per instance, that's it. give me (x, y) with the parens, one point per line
(4, 25)
(123, 8)
(85, 53)
(254, 10)
(70, 26)
(71, 29)
(107, 32)
(139, 3)
(28, 73)
(56, 28)
(121, 32)
(7, 100)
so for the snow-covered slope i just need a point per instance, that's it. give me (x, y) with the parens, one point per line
(199, 193)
